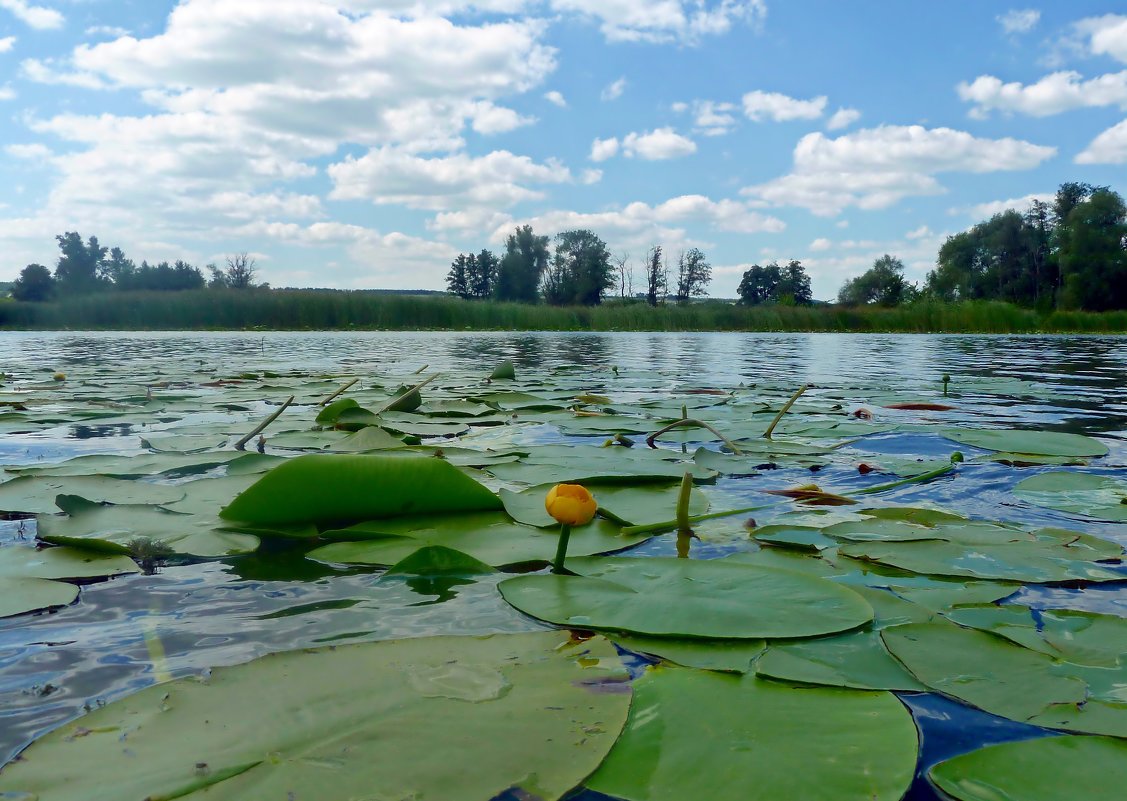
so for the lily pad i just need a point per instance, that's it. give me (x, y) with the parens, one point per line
(1044, 769)
(36, 495)
(61, 563)
(19, 595)
(634, 506)
(857, 659)
(553, 464)
(731, 656)
(1039, 443)
(688, 598)
(1084, 638)
(440, 723)
(326, 489)
(1101, 497)
(764, 740)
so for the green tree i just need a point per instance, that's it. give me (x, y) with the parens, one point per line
(882, 284)
(522, 266)
(580, 271)
(481, 275)
(457, 280)
(1094, 263)
(693, 274)
(657, 280)
(34, 285)
(794, 285)
(78, 269)
(760, 285)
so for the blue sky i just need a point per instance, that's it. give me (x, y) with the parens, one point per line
(364, 143)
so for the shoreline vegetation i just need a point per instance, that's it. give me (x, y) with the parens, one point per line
(297, 310)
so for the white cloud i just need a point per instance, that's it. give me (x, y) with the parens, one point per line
(877, 167)
(7, 92)
(842, 118)
(394, 176)
(759, 106)
(35, 150)
(112, 31)
(710, 118)
(555, 98)
(657, 145)
(919, 233)
(1053, 94)
(1106, 35)
(246, 205)
(686, 21)
(7, 43)
(488, 118)
(38, 17)
(1018, 21)
(983, 211)
(613, 91)
(603, 149)
(1110, 147)
(821, 243)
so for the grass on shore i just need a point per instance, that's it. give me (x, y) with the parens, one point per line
(328, 310)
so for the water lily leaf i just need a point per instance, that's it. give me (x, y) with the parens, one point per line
(813, 495)
(877, 530)
(912, 514)
(488, 536)
(1029, 459)
(1041, 443)
(304, 440)
(1101, 497)
(19, 595)
(456, 408)
(1005, 679)
(435, 560)
(36, 495)
(369, 438)
(856, 659)
(731, 656)
(61, 563)
(308, 724)
(760, 737)
(417, 425)
(326, 489)
(804, 538)
(688, 598)
(635, 506)
(1043, 769)
(503, 371)
(111, 528)
(1084, 638)
(168, 464)
(554, 464)
(184, 443)
(329, 415)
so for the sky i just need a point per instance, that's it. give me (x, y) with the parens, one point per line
(365, 143)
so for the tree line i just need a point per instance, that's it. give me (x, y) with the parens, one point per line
(85, 267)
(1070, 253)
(574, 268)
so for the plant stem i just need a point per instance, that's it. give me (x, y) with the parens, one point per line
(341, 391)
(242, 443)
(913, 480)
(786, 408)
(670, 525)
(561, 549)
(688, 422)
(403, 395)
(683, 504)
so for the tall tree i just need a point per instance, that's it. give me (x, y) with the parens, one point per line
(1094, 262)
(34, 285)
(522, 266)
(481, 274)
(794, 285)
(458, 280)
(581, 270)
(242, 270)
(693, 274)
(760, 285)
(882, 284)
(625, 270)
(79, 267)
(656, 279)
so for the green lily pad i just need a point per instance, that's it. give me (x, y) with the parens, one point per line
(326, 489)
(1044, 769)
(490, 537)
(417, 718)
(688, 598)
(19, 595)
(634, 506)
(554, 464)
(369, 438)
(731, 656)
(435, 560)
(857, 659)
(61, 563)
(1085, 638)
(804, 538)
(36, 494)
(1005, 679)
(1039, 443)
(1101, 497)
(764, 740)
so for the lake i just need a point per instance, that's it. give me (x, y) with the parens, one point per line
(124, 634)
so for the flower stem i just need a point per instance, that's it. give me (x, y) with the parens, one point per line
(786, 408)
(561, 549)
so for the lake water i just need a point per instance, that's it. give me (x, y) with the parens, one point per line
(126, 633)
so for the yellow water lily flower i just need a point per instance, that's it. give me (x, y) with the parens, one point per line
(571, 504)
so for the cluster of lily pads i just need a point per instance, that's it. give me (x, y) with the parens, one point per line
(774, 669)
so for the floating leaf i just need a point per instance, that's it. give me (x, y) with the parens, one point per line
(1101, 497)
(36, 495)
(1084, 638)
(20, 595)
(416, 718)
(503, 371)
(732, 656)
(325, 489)
(1041, 443)
(1044, 769)
(857, 659)
(435, 560)
(555, 464)
(61, 563)
(764, 740)
(688, 598)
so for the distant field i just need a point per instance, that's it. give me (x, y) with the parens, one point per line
(326, 310)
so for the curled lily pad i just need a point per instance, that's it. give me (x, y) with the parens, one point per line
(1044, 769)
(764, 740)
(417, 718)
(688, 598)
(1101, 497)
(325, 489)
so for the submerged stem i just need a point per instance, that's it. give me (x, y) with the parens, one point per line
(561, 549)
(683, 503)
(242, 443)
(326, 401)
(687, 422)
(786, 408)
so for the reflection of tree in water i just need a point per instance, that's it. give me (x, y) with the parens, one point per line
(99, 431)
(586, 350)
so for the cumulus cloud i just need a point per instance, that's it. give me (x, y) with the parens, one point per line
(1106, 35)
(603, 149)
(7, 92)
(394, 176)
(685, 21)
(35, 150)
(1053, 94)
(112, 31)
(613, 91)
(7, 43)
(710, 118)
(821, 243)
(983, 211)
(555, 98)
(1016, 21)
(38, 17)
(759, 106)
(1110, 147)
(657, 145)
(842, 118)
(877, 167)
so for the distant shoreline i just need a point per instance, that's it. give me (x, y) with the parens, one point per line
(301, 310)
